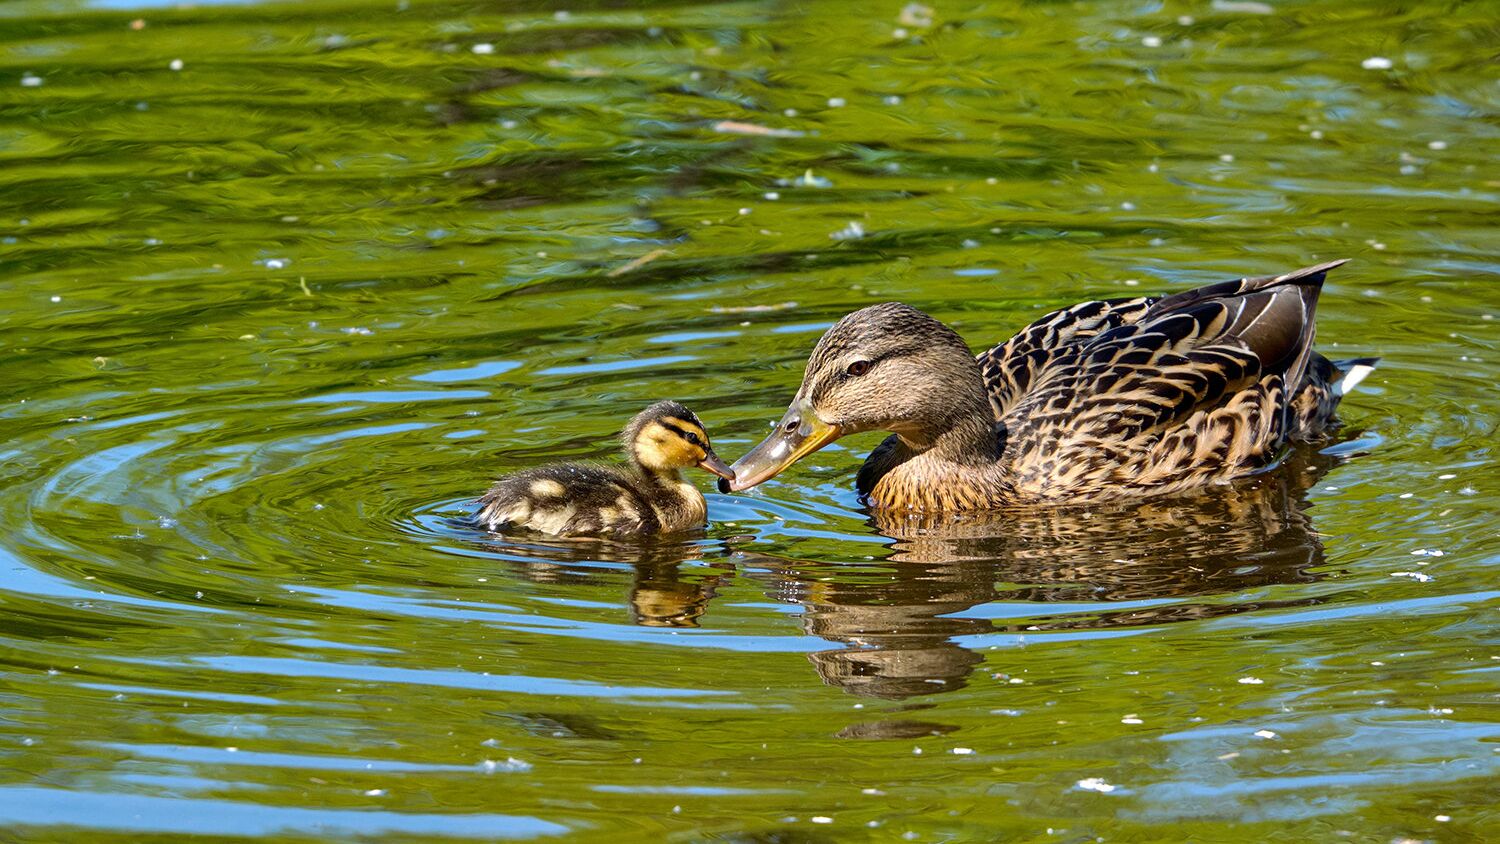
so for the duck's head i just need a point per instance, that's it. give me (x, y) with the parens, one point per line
(887, 367)
(667, 436)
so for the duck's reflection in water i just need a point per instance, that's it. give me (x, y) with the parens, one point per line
(900, 626)
(897, 625)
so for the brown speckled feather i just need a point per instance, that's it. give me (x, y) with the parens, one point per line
(1189, 390)
(1010, 367)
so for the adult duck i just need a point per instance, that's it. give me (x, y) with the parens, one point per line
(1099, 401)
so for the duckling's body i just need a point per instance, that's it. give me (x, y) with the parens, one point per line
(648, 495)
(1095, 402)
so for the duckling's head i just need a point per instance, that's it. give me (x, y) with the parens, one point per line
(887, 367)
(667, 436)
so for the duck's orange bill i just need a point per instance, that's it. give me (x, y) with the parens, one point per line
(799, 434)
(712, 463)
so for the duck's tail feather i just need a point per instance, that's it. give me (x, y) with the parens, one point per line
(1352, 371)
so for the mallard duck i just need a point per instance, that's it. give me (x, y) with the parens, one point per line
(1099, 401)
(646, 496)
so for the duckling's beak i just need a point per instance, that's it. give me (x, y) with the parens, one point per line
(799, 434)
(712, 463)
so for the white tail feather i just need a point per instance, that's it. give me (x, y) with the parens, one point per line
(1352, 378)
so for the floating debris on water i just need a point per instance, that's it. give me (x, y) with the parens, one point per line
(751, 309)
(1376, 63)
(1131, 719)
(1250, 681)
(1265, 734)
(1249, 7)
(1414, 575)
(837, 102)
(1096, 784)
(511, 764)
(915, 14)
(963, 751)
(808, 180)
(483, 48)
(31, 80)
(175, 64)
(636, 263)
(736, 127)
(1427, 552)
(1151, 41)
(821, 819)
(853, 231)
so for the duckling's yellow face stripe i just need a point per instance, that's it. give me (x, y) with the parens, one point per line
(667, 442)
(672, 442)
(687, 432)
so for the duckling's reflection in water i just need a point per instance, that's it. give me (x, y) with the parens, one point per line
(662, 594)
(897, 624)
(662, 597)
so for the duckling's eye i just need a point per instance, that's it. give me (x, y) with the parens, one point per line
(694, 438)
(859, 367)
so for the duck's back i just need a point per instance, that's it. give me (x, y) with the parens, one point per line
(1152, 394)
(569, 499)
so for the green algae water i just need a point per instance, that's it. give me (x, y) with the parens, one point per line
(283, 286)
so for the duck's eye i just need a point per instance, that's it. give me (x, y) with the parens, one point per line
(859, 367)
(694, 438)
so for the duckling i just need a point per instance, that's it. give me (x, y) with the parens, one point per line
(646, 496)
(1099, 401)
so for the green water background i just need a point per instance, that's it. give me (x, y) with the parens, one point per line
(284, 285)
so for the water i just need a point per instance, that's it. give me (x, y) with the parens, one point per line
(285, 285)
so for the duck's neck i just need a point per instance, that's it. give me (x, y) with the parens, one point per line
(667, 478)
(949, 464)
(677, 503)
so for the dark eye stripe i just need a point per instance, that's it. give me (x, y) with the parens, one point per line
(683, 432)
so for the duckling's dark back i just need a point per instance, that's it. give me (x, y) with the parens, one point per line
(569, 499)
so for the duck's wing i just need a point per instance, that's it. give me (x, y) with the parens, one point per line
(1011, 367)
(1198, 384)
